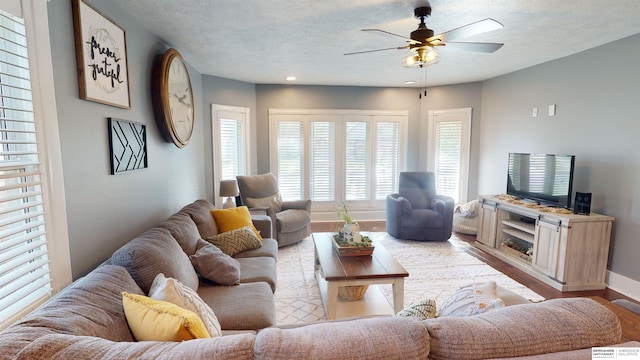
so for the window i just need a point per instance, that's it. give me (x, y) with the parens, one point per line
(333, 155)
(449, 151)
(230, 126)
(32, 265)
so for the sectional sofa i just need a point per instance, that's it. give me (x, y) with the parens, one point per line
(87, 321)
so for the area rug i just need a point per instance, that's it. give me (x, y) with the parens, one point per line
(436, 271)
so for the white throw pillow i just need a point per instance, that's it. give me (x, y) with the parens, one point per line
(472, 299)
(173, 291)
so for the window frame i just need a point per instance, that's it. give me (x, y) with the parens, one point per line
(325, 210)
(36, 20)
(465, 116)
(245, 114)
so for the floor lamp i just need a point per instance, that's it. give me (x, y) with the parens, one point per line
(229, 189)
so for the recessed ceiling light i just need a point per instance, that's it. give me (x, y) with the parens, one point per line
(290, 78)
(410, 82)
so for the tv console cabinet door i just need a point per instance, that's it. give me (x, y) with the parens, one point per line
(487, 225)
(545, 248)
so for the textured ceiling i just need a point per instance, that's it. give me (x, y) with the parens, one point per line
(263, 41)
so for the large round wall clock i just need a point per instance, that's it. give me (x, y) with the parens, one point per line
(172, 98)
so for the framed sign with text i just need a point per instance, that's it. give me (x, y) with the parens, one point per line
(101, 57)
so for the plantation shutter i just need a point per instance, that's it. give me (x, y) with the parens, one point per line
(387, 158)
(232, 148)
(358, 160)
(448, 158)
(290, 159)
(322, 161)
(24, 263)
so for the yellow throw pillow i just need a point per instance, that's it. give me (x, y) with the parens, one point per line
(155, 320)
(234, 218)
(235, 241)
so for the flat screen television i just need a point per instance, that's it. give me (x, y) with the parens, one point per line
(544, 178)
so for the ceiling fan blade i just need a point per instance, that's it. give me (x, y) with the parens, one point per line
(409, 40)
(475, 28)
(368, 51)
(474, 46)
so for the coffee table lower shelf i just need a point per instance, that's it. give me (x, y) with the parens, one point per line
(373, 303)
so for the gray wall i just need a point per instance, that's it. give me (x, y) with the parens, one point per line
(597, 96)
(105, 211)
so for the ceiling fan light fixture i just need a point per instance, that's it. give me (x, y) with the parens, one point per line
(420, 57)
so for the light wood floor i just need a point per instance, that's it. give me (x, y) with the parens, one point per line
(630, 321)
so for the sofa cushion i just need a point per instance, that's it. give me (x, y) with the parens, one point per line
(472, 299)
(236, 241)
(184, 230)
(525, 329)
(258, 269)
(374, 338)
(212, 264)
(155, 320)
(234, 218)
(154, 252)
(59, 346)
(92, 306)
(199, 211)
(249, 306)
(173, 291)
(269, 248)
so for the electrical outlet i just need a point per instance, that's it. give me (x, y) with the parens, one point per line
(535, 112)
(552, 110)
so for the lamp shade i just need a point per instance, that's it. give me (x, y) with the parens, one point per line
(229, 188)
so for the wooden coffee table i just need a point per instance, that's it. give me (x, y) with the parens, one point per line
(337, 271)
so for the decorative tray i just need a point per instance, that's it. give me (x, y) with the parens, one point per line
(363, 248)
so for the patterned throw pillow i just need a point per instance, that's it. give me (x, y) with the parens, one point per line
(421, 310)
(172, 290)
(472, 299)
(236, 241)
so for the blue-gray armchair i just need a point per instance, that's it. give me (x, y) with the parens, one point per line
(416, 212)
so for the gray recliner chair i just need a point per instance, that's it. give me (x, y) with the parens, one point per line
(291, 220)
(416, 212)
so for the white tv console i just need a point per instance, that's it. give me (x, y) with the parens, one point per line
(566, 251)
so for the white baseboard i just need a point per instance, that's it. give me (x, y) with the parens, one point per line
(624, 285)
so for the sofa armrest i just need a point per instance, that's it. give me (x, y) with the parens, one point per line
(297, 204)
(521, 330)
(263, 224)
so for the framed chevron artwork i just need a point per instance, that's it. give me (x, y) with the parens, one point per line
(127, 145)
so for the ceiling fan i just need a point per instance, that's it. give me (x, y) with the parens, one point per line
(422, 41)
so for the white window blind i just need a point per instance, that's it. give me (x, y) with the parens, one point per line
(448, 152)
(232, 145)
(290, 159)
(387, 155)
(358, 160)
(322, 161)
(24, 264)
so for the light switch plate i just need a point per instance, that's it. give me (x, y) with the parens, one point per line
(535, 112)
(552, 110)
